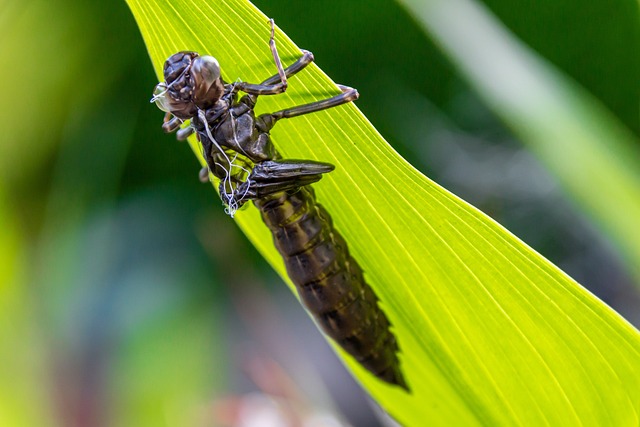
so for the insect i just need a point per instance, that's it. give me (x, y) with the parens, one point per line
(238, 150)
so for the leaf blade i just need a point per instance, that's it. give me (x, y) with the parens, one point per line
(463, 294)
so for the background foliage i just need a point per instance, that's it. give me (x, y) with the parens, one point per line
(104, 282)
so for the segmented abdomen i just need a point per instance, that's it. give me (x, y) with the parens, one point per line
(330, 281)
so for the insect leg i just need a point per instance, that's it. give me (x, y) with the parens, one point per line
(203, 175)
(277, 83)
(276, 57)
(260, 89)
(184, 133)
(302, 62)
(348, 95)
(171, 123)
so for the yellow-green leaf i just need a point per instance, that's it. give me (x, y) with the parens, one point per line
(491, 332)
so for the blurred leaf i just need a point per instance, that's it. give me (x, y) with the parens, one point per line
(491, 332)
(587, 148)
(23, 399)
(68, 72)
(166, 371)
(584, 40)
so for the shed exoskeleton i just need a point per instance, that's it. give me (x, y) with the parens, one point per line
(238, 151)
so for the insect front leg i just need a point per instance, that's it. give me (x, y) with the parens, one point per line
(184, 133)
(203, 175)
(172, 124)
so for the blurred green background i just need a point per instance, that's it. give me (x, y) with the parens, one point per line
(127, 297)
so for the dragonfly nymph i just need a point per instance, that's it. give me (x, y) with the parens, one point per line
(238, 150)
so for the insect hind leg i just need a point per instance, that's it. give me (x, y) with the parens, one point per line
(348, 94)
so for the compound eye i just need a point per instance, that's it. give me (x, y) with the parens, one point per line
(160, 97)
(205, 71)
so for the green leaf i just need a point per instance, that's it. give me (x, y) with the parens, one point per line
(583, 40)
(23, 399)
(491, 332)
(591, 153)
